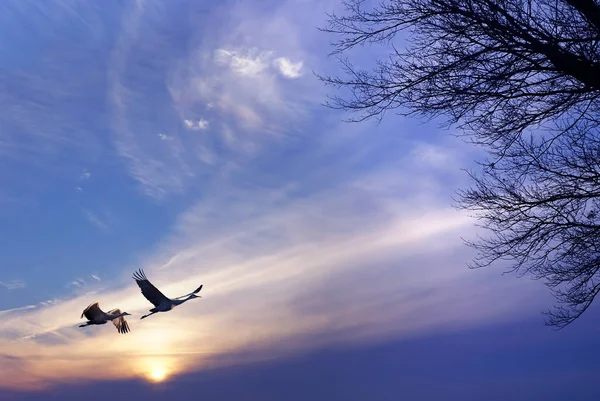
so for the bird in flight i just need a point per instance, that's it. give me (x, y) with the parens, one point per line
(158, 299)
(95, 315)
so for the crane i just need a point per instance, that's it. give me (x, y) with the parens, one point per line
(158, 299)
(95, 315)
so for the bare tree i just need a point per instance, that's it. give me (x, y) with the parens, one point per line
(522, 79)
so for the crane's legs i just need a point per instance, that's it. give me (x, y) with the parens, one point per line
(84, 325)
(147, 315)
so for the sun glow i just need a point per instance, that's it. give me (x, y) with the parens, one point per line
(157, 374)
(156, 370)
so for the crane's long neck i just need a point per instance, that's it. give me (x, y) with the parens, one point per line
(180, 301)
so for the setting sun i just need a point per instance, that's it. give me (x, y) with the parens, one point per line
(156, 369)
(158, 374)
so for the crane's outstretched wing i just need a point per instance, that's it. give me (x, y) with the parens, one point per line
(151, 293)
(93, 312)
(195, 292)
(120, 322)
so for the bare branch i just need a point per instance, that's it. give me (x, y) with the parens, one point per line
(522, 79)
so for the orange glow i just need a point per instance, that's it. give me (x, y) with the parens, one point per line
(265, 295)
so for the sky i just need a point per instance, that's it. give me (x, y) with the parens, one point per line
(189, 139)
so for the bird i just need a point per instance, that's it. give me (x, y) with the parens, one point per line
(158, 299)
(95, 315)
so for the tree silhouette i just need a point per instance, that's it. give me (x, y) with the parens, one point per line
(522, 79)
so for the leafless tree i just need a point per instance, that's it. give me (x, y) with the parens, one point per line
(522, 79)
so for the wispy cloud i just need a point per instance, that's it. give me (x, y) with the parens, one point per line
(287, 68)
(158, 168)
(250, 63)
(240, 83)
(85, 175)
(196, 125)
(95, 220)
(12, 285)
(14, 310)
(77, 283)
(49, 302)
(39, 128)
(361, 261)
(96, 277)
(247, 83)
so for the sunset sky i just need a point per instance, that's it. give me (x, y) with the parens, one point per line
(188, 138)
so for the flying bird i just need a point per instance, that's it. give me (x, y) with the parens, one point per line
(95, 315)
(158, 299)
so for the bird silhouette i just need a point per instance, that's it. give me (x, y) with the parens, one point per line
(158, 299)
(95, 315)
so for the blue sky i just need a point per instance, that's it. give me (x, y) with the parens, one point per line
(188, 139)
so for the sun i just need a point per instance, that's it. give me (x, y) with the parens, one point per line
(156, 369)
(158, 374)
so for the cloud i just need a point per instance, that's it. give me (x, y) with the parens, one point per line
(95, 220)
(50, 302)
(206, 155)
(360, 261)
(85, 175)
(149, 162)
(12, 285)
(196, 126)
(241, 83)
(14, 310)
(96, 277)
(230, 74)
(78, 282)
(287, 68)
(163, 164)
(250, 63)
(40, 133)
